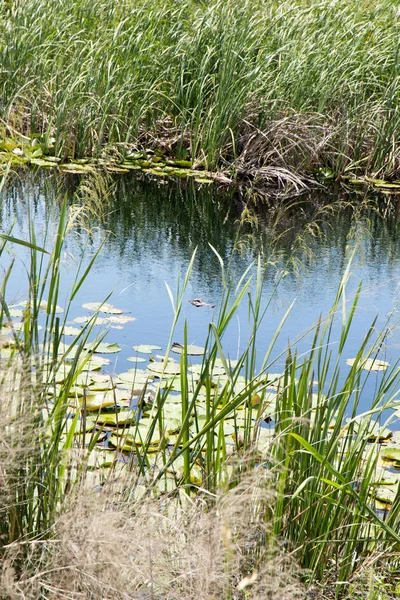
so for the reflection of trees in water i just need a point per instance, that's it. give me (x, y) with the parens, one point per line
(165, 220)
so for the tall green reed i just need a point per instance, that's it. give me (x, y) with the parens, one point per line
(194, 75)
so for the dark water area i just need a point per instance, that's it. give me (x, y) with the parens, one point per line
(152, 230)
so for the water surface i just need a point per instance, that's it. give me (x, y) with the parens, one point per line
(152, 230)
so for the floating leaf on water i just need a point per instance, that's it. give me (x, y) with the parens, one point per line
(369, 364)
(75, 168)
(385, 494)
(95, 363)
(100, 400)
(203, 180)
(134, 377)
(121, 319)
(16, 312)
(102, 348)
(386, 478)
(40, 162)
(95, 319)
(161, 368)
(116, 169)
(124, 417)
(71, 330)
(191, 349)
(390, 453)
(146, 348)
(102, 307)
(102, 386)
(44, 305)
(136, 359)
(100, 458)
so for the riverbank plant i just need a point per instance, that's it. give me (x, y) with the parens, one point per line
(271, 92)
(123, 482)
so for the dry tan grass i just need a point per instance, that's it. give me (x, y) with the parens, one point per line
(159, 549)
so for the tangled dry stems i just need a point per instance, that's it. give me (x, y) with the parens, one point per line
(158, 549)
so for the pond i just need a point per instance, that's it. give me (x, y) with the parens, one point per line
(152, 229)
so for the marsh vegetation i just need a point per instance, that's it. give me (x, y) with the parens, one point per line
(233, 446)
(268, 92)
(189, 472)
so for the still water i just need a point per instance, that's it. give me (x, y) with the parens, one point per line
(152, 229)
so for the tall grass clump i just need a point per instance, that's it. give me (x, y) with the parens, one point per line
(264, 89)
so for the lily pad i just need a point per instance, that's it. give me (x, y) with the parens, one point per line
(16, 312)
(96, 320)
(369, 364)
(95, 363)
(124, 417)
(203, 180)
(101, 400)
(146, 348)
(191, 349)
(121, 319)
(102, 307)
(102, 348)
(134, 377)
(166, 369)
(389, 453)
(136, 359)
(71, 330)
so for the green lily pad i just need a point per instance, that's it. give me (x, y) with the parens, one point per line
(102, 348)
(166, 369)
(100, 400)
(191, 349)
(146, 348)
(95, 363)
(385, 494)
(370, 364)
(102, 307)
(389, 453)
(124, 417)
(71, 330)
(203, 180)
(136, 359)
(134, 377)
(40, 162)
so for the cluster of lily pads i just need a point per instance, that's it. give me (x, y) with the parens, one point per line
(38, 150)
(141, 409)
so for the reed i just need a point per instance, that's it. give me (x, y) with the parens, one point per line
(234, 85)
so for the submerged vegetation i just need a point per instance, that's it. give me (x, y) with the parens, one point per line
(268, 92)
(190, 474)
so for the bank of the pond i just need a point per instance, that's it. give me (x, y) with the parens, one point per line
(37, 152)
(276, 95)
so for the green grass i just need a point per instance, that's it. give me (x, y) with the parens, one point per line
(255, 87)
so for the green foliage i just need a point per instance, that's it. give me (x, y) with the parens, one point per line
(319, 80)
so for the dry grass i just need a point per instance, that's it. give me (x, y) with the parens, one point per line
(158, 549)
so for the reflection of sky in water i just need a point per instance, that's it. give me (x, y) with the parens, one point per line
(153, 231)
